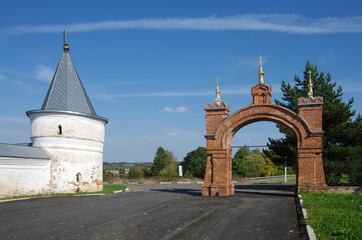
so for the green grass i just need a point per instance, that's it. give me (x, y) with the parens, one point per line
(107, 189)
(111, 188)
(334, 215)
(278, 182)
(288, 181)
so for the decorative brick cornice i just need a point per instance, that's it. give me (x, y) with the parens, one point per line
(261, 94)
(310, 101)
(222, 106)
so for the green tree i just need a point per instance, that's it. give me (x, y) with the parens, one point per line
(194, 164)
(134, 173)
(158, 162)
(170, 170)
(342, 134)
(162, 159)
(238, 165)
(254, 162)
(146, 169)
(122, 172)
(269, 167)
(170, 165)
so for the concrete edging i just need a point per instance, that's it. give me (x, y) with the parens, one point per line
(80, 195)
(14, 199)
(121, 191)
(310, 230)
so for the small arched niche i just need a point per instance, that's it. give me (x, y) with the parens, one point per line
(78, 178)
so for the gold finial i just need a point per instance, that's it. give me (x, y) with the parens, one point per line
(217, 99)
(310, 85)
(65, 46)
(261, 73)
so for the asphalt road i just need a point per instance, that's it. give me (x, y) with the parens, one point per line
(156, 211)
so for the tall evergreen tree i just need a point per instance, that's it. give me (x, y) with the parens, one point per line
(158, 162)
(342, 134)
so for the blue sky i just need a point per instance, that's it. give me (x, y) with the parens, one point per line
(150, 66)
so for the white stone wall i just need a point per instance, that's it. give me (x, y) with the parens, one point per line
(23, 176)
(77, 150)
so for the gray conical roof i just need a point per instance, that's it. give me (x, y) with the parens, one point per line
(66, 92)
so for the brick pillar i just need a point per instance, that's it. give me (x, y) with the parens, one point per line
(310, 166)
(218, 167)
(311, 110)
(215, 115)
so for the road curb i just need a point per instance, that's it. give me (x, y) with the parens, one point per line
(310, 230)
(79, 195)
(121, 191)
(15, 199)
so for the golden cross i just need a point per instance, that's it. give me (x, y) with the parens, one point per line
(310, 76)
(217, 82)
(260, 58)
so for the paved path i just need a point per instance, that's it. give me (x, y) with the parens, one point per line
(156, 211)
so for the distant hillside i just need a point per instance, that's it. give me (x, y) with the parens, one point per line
(117, 165)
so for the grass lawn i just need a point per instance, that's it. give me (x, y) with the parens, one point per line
(107, 189)
(334, 215)
(278, 182)
(288, 181)
(111, 188)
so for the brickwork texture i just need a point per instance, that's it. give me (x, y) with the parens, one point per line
(221, 127)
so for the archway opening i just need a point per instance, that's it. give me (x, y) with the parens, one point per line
(256, 159)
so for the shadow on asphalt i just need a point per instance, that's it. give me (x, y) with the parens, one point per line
(192, 192)
(252, 190)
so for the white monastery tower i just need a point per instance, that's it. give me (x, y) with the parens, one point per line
(68, 129)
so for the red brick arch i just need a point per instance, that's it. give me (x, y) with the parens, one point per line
(220, 129)
(255, 113)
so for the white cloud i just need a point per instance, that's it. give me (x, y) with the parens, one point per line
(2, 77)
(178, 110)
(287, 23)
(227, 91)
(172, 134)
(43, 73)
(181, 109)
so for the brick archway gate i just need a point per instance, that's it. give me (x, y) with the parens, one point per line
(220, 129)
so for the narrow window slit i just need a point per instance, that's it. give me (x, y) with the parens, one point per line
(60, 130)
(78, 177)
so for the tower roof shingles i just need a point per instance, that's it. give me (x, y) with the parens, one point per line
(66, 91)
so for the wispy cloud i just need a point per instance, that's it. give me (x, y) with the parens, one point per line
(11, 119)
(287, 23)
(177, 110)
(43, 73)
(228, 91)
(6, 79)
(173, 134)
(244, 63)
(153, 94)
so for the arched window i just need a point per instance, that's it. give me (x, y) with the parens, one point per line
(60, 130)
(78, 177)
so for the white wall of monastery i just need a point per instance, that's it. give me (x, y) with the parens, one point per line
(77, 149)
(23, 176)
